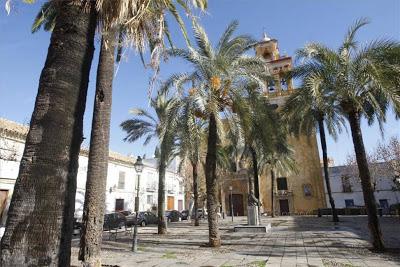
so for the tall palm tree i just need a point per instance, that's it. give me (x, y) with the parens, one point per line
(99, 142)
(366, 85)
(281, 160)
(216, 72)
(163, 127)
(190, 137)
(42, 205)
(304, 113)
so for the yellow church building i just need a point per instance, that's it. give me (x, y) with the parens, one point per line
(300, 193)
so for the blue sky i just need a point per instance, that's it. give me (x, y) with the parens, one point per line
(292, 22)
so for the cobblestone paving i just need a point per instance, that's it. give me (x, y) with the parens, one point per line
(292, 241)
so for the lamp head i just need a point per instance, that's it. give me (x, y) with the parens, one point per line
(138, 165)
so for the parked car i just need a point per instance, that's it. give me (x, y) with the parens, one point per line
(126, 212)
(77, 227)
(200, 214)
(173, 216)
(114, 220)
(185, 214)
(144, 218)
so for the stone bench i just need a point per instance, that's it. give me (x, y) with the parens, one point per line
(253, 228)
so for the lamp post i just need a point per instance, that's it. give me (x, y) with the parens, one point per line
(230, 190)
(138, 168)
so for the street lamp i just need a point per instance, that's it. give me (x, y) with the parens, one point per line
(138, 168)
(230, 190)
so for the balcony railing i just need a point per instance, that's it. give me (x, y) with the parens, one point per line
(151, 189)
(284, 192)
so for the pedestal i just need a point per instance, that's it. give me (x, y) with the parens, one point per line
(252, 215)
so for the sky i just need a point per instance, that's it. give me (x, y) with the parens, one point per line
(292, 22)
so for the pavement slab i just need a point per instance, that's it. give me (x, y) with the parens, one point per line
(293, 241)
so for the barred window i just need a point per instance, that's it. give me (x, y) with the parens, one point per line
(121, 180)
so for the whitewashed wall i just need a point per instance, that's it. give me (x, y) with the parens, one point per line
(383, 189)
(149, 179)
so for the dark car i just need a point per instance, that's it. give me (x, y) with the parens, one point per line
(200, 214)
(77, 227)
(173, 216)
(144, 218)
(185, 214)
(114, 220)
(125, 212)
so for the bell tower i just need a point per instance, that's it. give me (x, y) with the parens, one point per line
(277, 66)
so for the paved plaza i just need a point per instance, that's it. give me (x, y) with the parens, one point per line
(292, 241)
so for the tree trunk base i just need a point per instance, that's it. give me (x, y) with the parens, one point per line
(92, 263)
(162, 228)
(214, 243)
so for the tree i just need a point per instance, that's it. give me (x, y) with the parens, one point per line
(162, 127)
(216, 72)
(390, 154)
(310, 107)
(42, 205)
(190, 136)
(258, 124)
(145, 29)
(96, 180)
(364, 86)
(79, 44)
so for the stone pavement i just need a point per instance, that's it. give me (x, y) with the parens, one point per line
(293, 241)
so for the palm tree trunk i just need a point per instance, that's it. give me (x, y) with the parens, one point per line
(255, 172)
(326, 173)
(162, 225)
(211, 184)
(195, 193)
(366, 184)
(272, 192)
(93, 210)
(40, 219)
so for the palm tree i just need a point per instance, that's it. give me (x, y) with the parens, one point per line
(99, 142)
(364, 86)
(216, 72)
(190, 136)
(304, 112)
(42, 205)
(163, 127)
(281, 160)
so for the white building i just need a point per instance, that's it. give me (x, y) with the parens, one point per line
(347, 191)
(121, 177)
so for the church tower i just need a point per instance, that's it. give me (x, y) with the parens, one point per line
(303, 192)
(277, 66)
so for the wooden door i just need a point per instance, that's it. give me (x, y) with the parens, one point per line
(238, 208)
(284, 206)
(170, 203)
(119, 204)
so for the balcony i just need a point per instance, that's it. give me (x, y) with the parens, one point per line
(151, 189)
(284, 192)
(171, 191)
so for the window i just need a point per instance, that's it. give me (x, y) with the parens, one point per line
(180, 187)
(282, 183)
(121, 180)
(384, 203)
(271, 86)
(346, 185)
(349, 203)
(307, 190)
(150, 199)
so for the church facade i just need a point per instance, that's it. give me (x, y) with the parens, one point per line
(300, 193)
